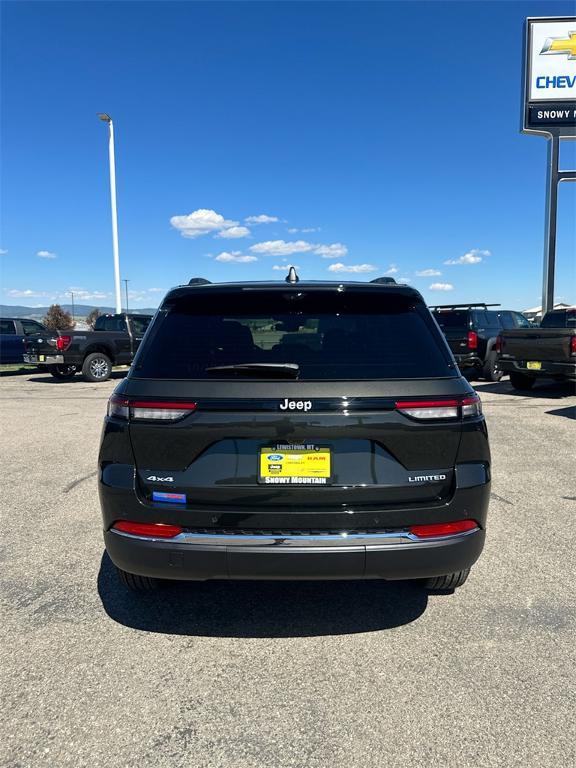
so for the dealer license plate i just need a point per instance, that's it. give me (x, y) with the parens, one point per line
(295, 465)
(534, 365)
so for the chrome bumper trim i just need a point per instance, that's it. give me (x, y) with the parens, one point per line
(48, 359)
(317, 540)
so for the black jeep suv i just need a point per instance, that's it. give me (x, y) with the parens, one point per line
(471, 331)
(294, 431)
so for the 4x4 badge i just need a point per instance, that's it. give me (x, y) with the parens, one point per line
(156, 479)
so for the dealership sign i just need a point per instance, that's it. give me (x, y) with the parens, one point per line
(550, 76)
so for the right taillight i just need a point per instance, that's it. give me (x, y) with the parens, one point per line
(472, 340)
(573, 345)
(148, 410)
(428, 410)
(498, 344)
(63, 342)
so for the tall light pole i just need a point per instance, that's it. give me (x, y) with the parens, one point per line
(73, 316)
(107, 119)
(125, 281)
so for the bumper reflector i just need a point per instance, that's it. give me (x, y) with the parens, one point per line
(154, 530)
(169, 498)
(433, 530)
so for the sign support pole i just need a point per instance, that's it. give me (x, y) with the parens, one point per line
(551, 224)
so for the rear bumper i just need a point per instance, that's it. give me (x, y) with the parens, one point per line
(44, 359)
(378, 557)
(549, 369)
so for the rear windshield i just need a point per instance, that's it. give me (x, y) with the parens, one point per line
(328, 335)
(457, 320)
(564, 319)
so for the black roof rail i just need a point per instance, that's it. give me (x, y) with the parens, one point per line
(199, 281)
(384, 281)
(464, 306)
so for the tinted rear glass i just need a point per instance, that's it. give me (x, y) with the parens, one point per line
(329, 335)
(110, 323)
(457, 320)
(139, 324)
(559, 319)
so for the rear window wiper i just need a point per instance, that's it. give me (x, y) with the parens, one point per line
(273, 369)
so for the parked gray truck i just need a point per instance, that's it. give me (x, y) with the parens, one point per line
(113, 341)
(546, 351)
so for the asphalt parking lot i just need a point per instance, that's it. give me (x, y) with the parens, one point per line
(277, 674)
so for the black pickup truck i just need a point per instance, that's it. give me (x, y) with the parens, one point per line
(471, 331)
(547, 351)
(113, 341)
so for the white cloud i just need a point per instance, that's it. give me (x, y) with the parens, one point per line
(287, 248)
(474, 256)
(156, 290)
(27, 293)
(339, 267)
(3, 251)
(333, 251)
(261, 219)
(236, 256)
(46, 254)
(201, 222)
(403, 280)
(428, 273)
(234, 232)
(82, 295)
(281, 247)
(285, 267)
(293, 230)
(441, 287)
(392, 270)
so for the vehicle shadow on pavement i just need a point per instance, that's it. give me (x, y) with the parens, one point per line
(569, 412)
(262, 608)
(554, 390)
(19, 372)
(48, 379)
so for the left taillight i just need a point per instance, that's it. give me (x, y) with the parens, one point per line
(426, 410)
(573, 345)
(63, 342)
(131, 409)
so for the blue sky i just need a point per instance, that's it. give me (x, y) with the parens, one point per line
(379, 138)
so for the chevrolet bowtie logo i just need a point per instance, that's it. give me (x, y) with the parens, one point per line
(561, 45)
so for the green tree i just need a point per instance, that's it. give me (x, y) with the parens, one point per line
(91, 317)
(57, 319)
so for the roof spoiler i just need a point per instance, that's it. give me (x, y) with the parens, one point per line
(199, 281)
(384, 281)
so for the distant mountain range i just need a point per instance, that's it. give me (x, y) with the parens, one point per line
(80, 310)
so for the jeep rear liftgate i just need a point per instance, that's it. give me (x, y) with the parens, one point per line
(249, 447)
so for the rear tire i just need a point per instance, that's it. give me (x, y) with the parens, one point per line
(137, 583)
(521, 382)
(96, 367)
(447, 583)
(63, 372)
(490, 371)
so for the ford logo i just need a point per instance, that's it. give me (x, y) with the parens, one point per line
(275, 457)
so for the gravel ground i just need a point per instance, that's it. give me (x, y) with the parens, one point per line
(278, 674)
